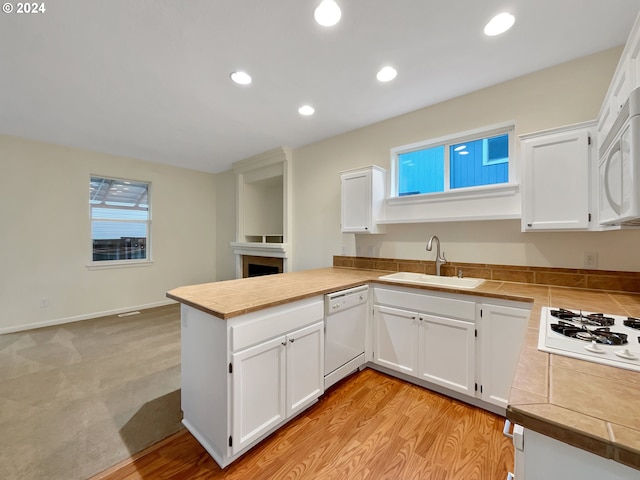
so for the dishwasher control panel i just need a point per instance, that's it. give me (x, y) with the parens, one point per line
(345, 299)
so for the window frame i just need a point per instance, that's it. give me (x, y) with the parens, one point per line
(121, 263)
(447, 141)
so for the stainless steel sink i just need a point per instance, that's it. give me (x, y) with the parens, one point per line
(434, 280)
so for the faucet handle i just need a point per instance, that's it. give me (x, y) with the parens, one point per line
(444, 260)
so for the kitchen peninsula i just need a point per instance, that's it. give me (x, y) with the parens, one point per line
(589, 406)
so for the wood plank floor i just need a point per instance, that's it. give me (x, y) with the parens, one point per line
(370, 426)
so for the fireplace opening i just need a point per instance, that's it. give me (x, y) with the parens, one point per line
(259, 270)
(254, 266)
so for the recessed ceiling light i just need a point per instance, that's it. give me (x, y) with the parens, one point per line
(306, 110)
(327, 13)
(241, 78)
(499, 24)
(386, 74)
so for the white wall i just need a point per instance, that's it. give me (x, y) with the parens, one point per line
(263, 207)
(45, 239)
(561, 95)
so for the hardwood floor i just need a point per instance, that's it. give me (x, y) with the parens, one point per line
(370, 426)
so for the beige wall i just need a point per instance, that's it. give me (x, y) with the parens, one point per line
(225, 225)
(561, 95)
(45, 239)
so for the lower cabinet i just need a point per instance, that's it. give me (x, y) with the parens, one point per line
(447, 353)
(242, 378)
(437, 349)
(501, 334)
(274, 380)
(450, 340)
(395, 337)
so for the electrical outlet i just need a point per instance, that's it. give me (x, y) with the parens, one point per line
(44, 302)
(343, 249)
(590, 260)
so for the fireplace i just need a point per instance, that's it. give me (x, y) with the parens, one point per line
(254, 266)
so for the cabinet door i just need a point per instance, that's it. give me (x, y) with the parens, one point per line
(356, 201)
(447, 353)
(556, 181)
(395, 339)
(305, 367)
(258, 389)
(501, 334)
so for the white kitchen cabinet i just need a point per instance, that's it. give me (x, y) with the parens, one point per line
(423, 342)
(435, 349)
(447, 353)
(556, 188)
(542, 457)
(305, 367)
(438, 350)
(501, 332)
(362, 197)
(244, 377)
(258, 373)
(452, 341)
(274, 380)
(395, 337)
(625, 79)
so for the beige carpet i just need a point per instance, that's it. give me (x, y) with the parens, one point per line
(78, 398)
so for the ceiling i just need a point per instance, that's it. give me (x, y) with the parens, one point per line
(149, 79)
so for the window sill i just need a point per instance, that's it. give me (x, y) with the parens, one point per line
(489, 202)
(469, 218)
(106, 265)
(455, 195)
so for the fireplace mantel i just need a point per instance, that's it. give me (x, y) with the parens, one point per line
(258, 249)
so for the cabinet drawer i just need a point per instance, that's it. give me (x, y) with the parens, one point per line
(260, 326)
(448, 307)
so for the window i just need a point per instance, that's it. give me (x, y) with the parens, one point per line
(120, 220)
(462, 161)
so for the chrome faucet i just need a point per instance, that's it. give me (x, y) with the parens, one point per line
(439, 261)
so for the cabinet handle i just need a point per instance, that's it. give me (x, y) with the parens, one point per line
(291, 340)
(284, 344)
(529, 224)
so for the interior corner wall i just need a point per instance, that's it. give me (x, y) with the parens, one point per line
(45, 239)
(561, 95)
(225, 225)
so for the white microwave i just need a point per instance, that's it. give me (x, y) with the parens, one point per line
(619, 167)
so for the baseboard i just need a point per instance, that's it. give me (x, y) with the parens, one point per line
(77, 318)
(133, 458)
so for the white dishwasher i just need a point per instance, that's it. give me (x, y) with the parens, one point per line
(345, 317)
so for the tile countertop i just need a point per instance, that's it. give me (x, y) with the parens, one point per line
(590, 406)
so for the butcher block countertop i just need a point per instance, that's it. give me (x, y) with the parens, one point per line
(588, 405)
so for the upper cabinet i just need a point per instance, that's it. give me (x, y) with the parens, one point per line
(625, 79)
(363, 192)
(556, 178)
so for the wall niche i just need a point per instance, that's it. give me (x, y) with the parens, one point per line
(263, 207)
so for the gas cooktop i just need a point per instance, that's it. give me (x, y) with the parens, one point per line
(595, 337)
